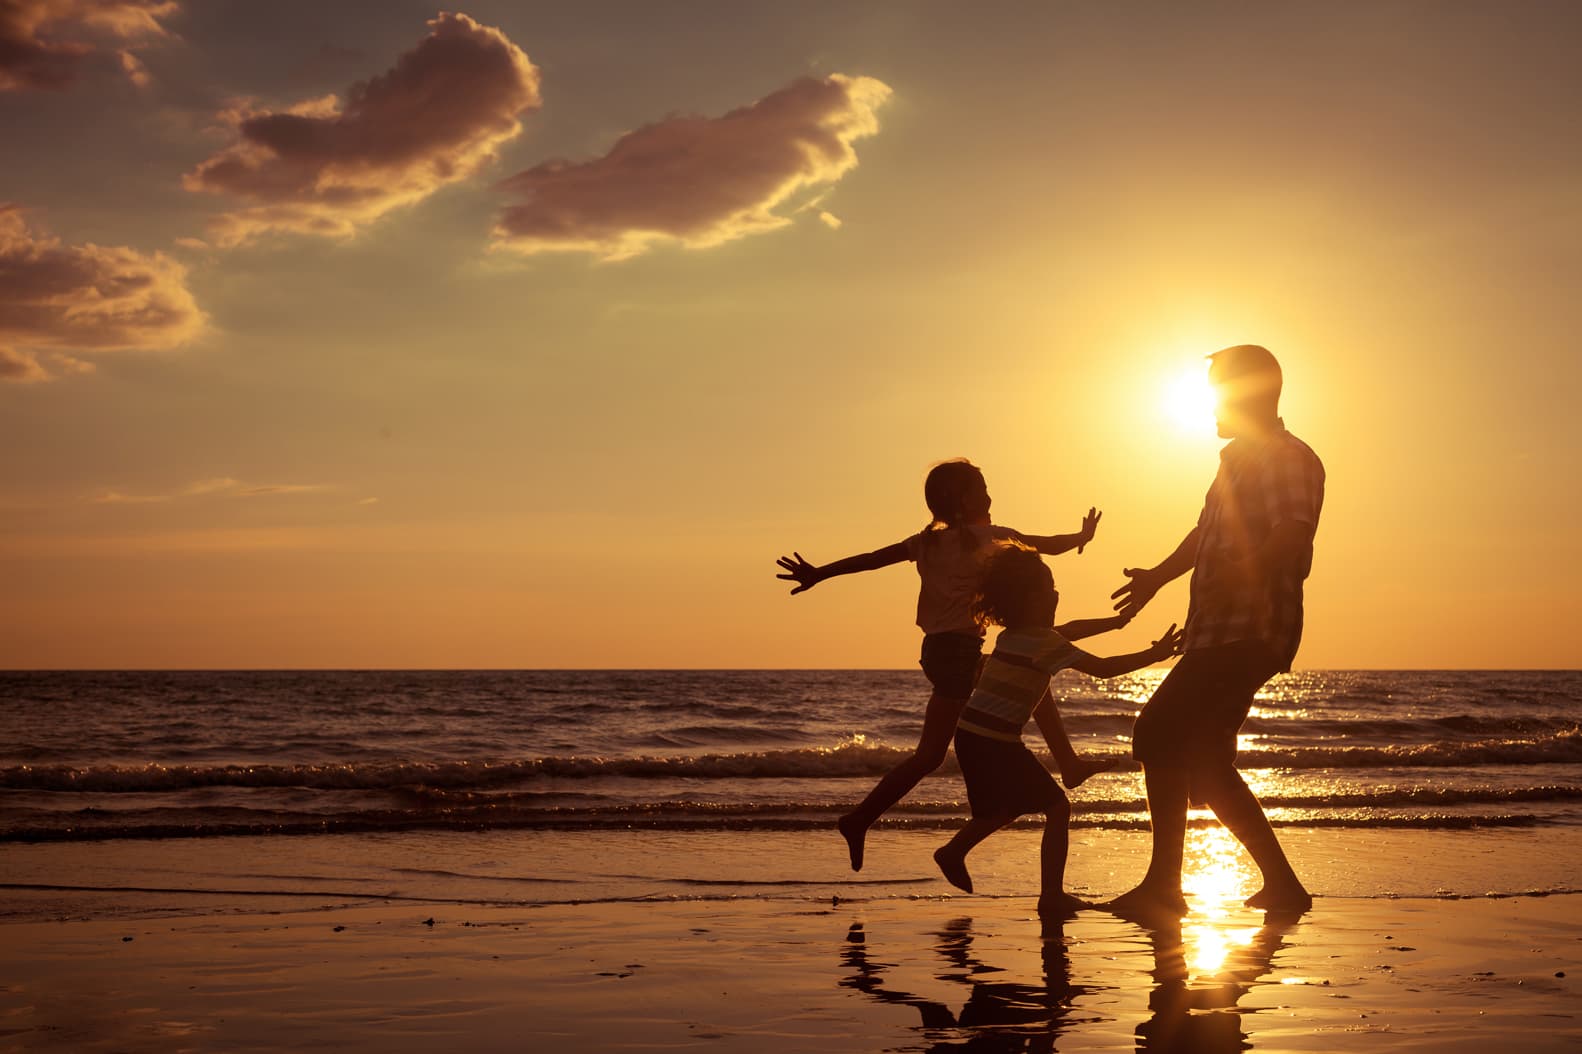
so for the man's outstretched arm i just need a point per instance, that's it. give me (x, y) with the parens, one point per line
(1145, 582)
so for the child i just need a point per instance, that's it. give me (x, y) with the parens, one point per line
(949, 554)
(1004, 779)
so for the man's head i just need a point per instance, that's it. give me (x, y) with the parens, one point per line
(1246, 380)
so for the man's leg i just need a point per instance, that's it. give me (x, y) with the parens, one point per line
(1222, 789)
(1160, 890)
(1157, 740)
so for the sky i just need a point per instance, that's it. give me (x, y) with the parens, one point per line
(529, 335)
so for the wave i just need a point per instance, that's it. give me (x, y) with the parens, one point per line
(195, 824)
(848, 760)
(1561, 747)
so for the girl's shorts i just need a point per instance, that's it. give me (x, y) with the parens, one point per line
(950, 662)
(1005, 779)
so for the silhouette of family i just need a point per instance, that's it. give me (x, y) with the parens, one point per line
(1249, 554)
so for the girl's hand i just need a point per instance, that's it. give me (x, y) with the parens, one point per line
(1090, 525)
(798, 570)
(1169, 644)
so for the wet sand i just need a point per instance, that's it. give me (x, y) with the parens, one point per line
(1363, 974)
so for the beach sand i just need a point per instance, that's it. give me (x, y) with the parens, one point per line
(756, 975)
(762, 941)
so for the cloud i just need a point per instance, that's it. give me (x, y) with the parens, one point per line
(326, 168)
(44, 43)
(222, 486)
(19, 367)
(700, 181)
(66, 300)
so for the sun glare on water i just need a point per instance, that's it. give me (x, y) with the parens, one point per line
(1217, 879)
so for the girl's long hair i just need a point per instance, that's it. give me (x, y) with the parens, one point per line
(944, 491)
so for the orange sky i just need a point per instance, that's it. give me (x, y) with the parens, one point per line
(546, 368)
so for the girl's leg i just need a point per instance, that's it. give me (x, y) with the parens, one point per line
(1074, 768)
(1053, 898)
(939, 724)
(952, 856)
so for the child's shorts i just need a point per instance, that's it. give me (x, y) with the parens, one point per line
(1005, 779)
(950, 662)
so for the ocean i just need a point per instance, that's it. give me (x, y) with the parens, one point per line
(570, 768)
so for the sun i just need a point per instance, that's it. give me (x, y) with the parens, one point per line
(1188, 401)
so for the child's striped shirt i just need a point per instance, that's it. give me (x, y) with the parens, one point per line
(1014, 679)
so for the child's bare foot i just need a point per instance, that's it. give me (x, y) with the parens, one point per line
(1282, 898)
(954, 868)
(1061, 905)
(1146, 902)
(854, 832)
(1084, 766)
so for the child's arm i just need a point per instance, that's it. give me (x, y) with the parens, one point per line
(1115, 665)
(807, 575)
(1079, 628)
(1055, 544)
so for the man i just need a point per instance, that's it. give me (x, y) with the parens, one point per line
(1249, 554)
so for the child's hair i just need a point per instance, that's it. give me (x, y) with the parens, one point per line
(1013, 574)
(945, 492)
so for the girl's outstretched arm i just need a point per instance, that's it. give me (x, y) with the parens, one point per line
(1077, 629)
(1115, 665)
(807, 575)
(1055, 544)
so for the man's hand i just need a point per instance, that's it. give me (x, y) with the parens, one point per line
(1090, 525)
(798, 570)
(1135, 595)
(1169, 644)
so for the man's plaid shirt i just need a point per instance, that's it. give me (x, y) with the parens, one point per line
(1261, 484)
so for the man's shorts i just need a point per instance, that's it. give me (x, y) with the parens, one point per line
(950, 662)
(1195, 713)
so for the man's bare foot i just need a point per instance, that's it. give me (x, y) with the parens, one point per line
(1085, 766)
(854, 833)
(1061, 905)
(1285, 899)
(1146, 902)
(954, 868)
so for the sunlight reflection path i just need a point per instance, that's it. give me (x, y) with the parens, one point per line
(1218, 877)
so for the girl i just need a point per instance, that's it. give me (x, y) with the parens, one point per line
(1004, 779)
(948, 553)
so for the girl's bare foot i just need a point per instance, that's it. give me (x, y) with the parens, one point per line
(854, 832)
(1061, 905)
(954, 868)
(1084, 766)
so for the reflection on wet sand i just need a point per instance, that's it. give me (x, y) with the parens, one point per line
(1203, 965)
(999, 1016)
(1206, 962)
(1197, 1013)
